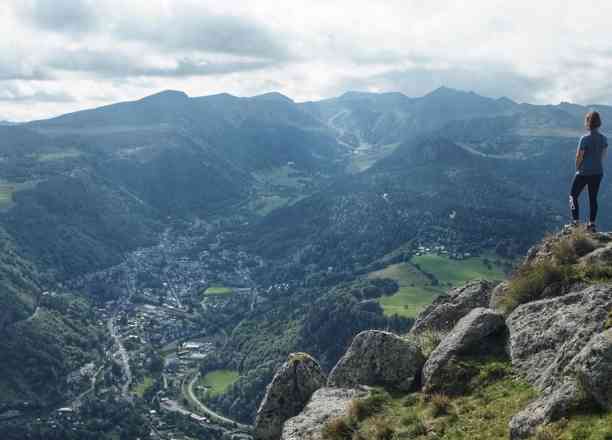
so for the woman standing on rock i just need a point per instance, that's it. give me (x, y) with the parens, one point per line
(590, 154)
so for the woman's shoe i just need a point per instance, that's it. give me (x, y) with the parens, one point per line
(591, 227)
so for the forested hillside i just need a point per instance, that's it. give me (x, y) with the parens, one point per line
(290, 213)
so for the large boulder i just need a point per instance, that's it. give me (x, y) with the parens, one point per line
(593, 368)
(474, 334)
(545, 335)
(287, 394)
(446, 310)
(378, 358)
(552, 405)
(325, 404)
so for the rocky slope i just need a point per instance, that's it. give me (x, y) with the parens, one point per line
(547, 339)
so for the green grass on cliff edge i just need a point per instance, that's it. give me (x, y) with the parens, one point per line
(481, 414)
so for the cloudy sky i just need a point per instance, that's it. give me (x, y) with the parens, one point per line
(65, 55)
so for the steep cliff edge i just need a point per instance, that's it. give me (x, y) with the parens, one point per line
(529, 358)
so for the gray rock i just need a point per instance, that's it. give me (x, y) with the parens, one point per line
(287, 394)
(497, 295)
(547, 408)
(544, 336)
(471, 336)
(447, 310)
(593, 367)
(325, 404)
(602, 255)
(378, 358)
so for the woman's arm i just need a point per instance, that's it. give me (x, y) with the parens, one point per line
(579, 158)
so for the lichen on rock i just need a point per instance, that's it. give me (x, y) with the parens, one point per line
(446, 310)
(287, 394)
(325, 404)
(474, 334)
(378, 358)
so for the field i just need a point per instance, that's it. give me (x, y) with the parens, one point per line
(218, 381)
(143, 386)
(417, 290)
(457, 272)
(59, 155)
(8, 189)
(218, 290)
(6, 194)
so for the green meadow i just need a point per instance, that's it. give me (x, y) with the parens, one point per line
(218, 290)
(6, 194)
(218, 381)
(143, 386)
(416, 289)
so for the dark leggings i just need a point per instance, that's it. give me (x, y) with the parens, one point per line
(578, 185)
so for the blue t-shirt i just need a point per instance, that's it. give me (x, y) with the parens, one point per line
(593, 144)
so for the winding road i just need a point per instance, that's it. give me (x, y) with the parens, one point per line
(214, 416)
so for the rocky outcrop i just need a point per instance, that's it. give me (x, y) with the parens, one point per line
(378, 358)
(325, 404)
(586, 243)
(593, 368)
(287, 394)
(546, 335)
(447, 310)
(557, 344)
(551, 406)
(599, 256)
(472, 335)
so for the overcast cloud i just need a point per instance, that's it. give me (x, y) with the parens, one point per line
(65, 55)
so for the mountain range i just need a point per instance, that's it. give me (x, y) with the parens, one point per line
(326, 190)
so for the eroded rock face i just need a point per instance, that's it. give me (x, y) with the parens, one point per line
(551, 406)
(447, 310)
(593, 367)
(378, 358)
(471, 336)
(325, 404)
(497, 295)
(287, 394)
(544, 336)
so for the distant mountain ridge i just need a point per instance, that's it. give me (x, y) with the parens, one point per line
(169, 154)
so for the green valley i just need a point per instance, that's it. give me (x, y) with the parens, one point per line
(427, 276)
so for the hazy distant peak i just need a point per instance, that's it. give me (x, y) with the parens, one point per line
(167, 95)
(506, 100)
(352, 94)
(444, 91)
(273, 96)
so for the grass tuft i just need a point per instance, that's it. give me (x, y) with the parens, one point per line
(549, 276)
(530, 281)
(379, 428)
(360, 409)
(337, 428)
(440, 405)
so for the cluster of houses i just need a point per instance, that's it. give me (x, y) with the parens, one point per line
(442, 250)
